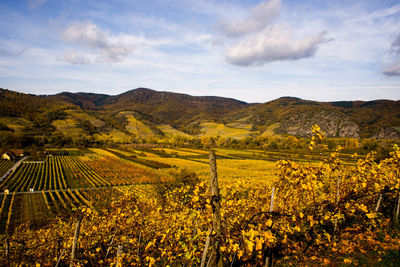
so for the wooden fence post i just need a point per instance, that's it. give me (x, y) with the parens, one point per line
(111, 242)
(215, 258)
(378, 203)
(7, 251)
(59, 258)
(271, 209)
(336, 202)
(271, 205)
(396, 209)
(119, 253)
(203, 259)
(76, 236)
(140, 237)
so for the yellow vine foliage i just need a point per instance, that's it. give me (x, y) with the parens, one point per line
(323, 213)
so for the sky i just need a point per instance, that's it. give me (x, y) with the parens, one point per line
(254, 51)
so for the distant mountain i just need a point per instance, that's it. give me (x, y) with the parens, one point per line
(28, 106)
(295, 116)
(83, 100)
(178, 110)
(144, 113)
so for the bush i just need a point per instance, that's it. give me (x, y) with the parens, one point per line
(182, 179)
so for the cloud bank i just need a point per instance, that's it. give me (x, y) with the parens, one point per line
(273, 44)
(90, 36)
(394, 68)
(263, 42)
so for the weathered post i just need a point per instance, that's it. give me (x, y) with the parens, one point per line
(336, 202)
(271, 209)
(7, 251)
(396, 210)
(59, 258)
(271, 205)
(140, 237)
(119, 254)
(337, 190)
(203, 259)
(378, 203)
(215, 258)
(76, 236)
(111, 242)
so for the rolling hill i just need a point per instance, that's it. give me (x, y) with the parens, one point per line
(143, 114)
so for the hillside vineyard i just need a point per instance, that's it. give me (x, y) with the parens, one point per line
(144, 115)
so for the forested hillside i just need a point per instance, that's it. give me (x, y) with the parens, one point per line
(145, 115)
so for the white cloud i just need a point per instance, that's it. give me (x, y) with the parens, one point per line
(76, 58)
(261, 41)
(394, 68)
(33, 4)
(260, 16)
(273, 44)
(86, 33)
(89, 35)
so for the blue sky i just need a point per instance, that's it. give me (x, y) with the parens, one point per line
(254, 51)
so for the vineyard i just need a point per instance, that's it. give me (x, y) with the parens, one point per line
(39, 191)
(123, 209)
(5, 165)
(58, 184)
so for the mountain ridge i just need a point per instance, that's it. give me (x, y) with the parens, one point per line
(102, 115)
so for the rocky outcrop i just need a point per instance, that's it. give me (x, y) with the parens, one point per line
(334, 124)
(387, 133)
